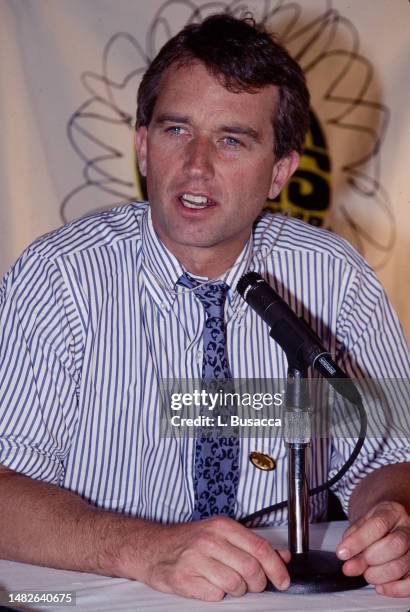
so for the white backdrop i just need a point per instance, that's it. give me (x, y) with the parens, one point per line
(69, 75)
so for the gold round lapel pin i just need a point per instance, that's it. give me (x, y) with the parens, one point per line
(262, 461)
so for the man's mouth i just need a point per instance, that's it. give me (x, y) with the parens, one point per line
(196, 202)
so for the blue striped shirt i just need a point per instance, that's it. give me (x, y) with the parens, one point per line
(88, 332)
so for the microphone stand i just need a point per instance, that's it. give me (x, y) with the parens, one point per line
(311, 571)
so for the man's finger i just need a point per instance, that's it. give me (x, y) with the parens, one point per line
(398, 588)
(224, 577)
(275, 570)
(199, 588)
(388, 572)
(271, 561)
(273, 565)
(372, 530)
(394, 545)
(355, 567)
(284, 554)
(246, 566)
(353, 528)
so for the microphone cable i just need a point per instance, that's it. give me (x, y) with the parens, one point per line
(329, 483)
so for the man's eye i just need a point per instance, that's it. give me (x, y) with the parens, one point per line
(231, 141)
(175, 129)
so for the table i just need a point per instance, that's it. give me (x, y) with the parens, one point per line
(104, 594)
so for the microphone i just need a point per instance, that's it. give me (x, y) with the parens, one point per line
(300, 343)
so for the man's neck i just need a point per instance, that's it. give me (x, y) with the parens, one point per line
(210, 269)
(208, 263)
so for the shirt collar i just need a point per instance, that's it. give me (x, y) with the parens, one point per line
(238, 269)
(162, 269)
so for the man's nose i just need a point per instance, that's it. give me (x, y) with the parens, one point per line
(199, 158)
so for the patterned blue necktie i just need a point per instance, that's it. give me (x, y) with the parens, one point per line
(216, 455)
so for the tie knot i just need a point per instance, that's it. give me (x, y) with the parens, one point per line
(211, 295)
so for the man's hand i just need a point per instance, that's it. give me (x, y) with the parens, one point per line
(210, 558)
(378, 546)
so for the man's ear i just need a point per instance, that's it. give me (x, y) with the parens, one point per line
(282, 171)
(140, 139)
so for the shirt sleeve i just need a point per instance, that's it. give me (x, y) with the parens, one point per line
(374, 351)
(40, 365)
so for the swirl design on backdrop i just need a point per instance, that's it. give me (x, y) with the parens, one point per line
(345, 105)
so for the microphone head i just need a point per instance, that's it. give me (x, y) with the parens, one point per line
(248, 281)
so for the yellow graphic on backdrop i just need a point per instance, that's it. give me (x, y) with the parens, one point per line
(307, 195)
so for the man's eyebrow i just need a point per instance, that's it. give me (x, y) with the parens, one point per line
(170, 118)
(245, 130)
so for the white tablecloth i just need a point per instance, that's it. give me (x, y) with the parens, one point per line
(100, 593)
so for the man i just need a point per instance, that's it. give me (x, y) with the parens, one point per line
(94, 316)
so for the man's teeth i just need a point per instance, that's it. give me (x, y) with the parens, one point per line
(194, 201)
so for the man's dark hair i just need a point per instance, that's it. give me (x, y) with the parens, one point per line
(243, 57)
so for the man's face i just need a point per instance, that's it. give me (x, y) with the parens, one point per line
(208, 158)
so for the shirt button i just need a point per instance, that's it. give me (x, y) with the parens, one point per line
(199, 356)
(163, 305)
